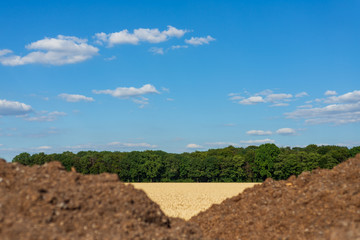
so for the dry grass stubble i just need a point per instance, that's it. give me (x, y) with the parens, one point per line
(185, 200)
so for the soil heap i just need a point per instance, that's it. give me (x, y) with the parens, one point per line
(46, 202)
(323, 204)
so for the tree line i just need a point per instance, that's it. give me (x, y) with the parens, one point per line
(230, 164)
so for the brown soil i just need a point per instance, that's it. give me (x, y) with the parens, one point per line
(323, 204)
(46, 202)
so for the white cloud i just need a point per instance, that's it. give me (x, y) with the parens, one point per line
(235, 97)
(193, 146)
(124, 92)
(110, 58)
(258, 142)
(122, 37)
(45, 116)
(164, 89)
(53, 51)
(13, 108)
(350, 97)
(132, 145)
(258, 132)
(252, 100)
(280, 104)
(5, 52)
(306, 106)
(222, 144)
(170, 99)
(157, 51)
(174, 32)
(153, 35)
(43, 148)
(75, 97)
(199, 40)
(341, 109)
(286, 131)
(330, 93)
(179, 46)
(275, 98)
(141, 100)
(265, 92)
(334, 113)
(301, 94)
(266, 96)
(135, 94)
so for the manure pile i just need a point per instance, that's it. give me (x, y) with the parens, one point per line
(46, 202)
(323, 204)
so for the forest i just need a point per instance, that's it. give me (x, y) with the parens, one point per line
(230, 164)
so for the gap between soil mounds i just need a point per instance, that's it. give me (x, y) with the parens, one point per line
(322, 204)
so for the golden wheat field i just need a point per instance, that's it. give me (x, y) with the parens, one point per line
(185, 200)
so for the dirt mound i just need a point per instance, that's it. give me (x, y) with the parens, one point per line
(323, 204)
(46, 202)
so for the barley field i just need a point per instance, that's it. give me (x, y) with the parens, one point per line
(185, 200)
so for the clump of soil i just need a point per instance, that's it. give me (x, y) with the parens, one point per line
(46, 202)
(323, 204)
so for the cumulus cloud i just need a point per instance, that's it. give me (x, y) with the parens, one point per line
(45, 116)
(179, 46)
(286, 131)
(196, 41)
(350, 97)
(194, 146)
(266, 96)
(124, 92)
(340, 110)
(43, 148)
(54, 51)
(258, 132)
(222, 144)
(330, 93)
(257, 142)
(135, 94)
(13, 108)
(277, 97)
(5, 52)
(235, 96)
(112, 58)
(132, 145)
(153, 35)
(75, 97)
(157, 51)
(252, 100)
(301, 94)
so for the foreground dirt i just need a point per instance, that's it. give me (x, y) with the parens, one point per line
(46, 202)
(324, 204)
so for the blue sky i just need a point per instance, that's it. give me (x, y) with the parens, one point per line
(177, 75)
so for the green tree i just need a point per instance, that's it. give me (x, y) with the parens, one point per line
(265, 157)
(23, 158)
